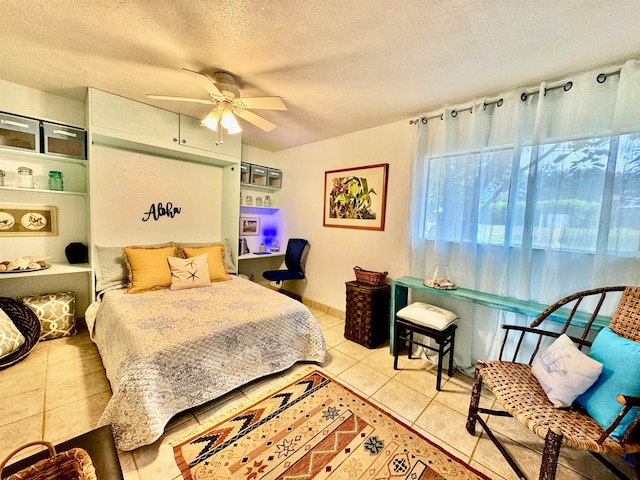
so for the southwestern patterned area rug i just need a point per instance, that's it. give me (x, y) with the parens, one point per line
(313, 428)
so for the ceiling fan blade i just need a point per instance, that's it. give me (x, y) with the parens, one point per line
(206, 83)
(264, 103)
(257, 120)
(181, 99)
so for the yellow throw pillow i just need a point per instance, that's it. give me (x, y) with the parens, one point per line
(148, 268)
(217, 268)
(189, 272)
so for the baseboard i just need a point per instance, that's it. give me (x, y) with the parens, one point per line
(318, 306)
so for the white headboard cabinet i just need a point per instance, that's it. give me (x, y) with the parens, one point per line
(158, 176)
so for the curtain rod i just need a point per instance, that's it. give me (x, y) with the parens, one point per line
(600, 78)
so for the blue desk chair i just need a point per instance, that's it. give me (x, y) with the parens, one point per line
(293, 259)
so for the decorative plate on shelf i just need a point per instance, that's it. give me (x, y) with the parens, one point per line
(6, 221)
(28, 269)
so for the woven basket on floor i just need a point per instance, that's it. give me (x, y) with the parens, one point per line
(369, 277)
(27, 322)
(74, 464)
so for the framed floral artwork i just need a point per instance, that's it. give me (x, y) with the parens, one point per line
(356, 197)
(28, 220)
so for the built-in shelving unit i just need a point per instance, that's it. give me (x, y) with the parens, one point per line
(54, 269)
(252, 210)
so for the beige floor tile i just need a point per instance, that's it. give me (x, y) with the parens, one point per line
(488, 472)
(419, 375)
(488, 455)
(128, 466)
(156, 461)
(62, 391)
(333, 337)
(74, 418)
(329, 321)
(315, 312)
(18, 405)
(365, 379)
(447, 425)
(18, 433)
(382, 360)
(23, 377)
(405, 402)
(337, 362)
(442, 444)
(354, 350)
(455, 396)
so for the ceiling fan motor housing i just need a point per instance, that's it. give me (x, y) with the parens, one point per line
(225, 82)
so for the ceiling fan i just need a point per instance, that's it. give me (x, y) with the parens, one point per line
(226, 101)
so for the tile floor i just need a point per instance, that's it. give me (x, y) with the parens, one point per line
(60, 390)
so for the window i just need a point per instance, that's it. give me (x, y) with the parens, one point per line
(578, 195)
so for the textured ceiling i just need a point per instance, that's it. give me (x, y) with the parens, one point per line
(340, 65)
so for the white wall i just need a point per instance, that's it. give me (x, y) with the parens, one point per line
(335, 251)
(124, 185)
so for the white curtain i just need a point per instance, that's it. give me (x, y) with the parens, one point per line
(533, 197)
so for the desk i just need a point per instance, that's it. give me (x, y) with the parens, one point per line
(251, 256)
(400, 294)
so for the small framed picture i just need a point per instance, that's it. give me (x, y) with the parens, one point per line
(249, 226)
(28, 220)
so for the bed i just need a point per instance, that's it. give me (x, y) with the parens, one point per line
(166, 351)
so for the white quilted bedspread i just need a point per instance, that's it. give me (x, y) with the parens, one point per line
(167, 351)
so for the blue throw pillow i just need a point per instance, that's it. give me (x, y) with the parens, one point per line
(620, 360)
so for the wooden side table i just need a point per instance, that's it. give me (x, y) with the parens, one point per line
(367, 313)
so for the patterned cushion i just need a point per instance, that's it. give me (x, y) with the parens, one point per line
(564, 372)
(189, 272)
(10, 337)
(217, 268)
(57, 313)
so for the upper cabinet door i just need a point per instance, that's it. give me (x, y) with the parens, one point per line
(195, 135)
(134, 118)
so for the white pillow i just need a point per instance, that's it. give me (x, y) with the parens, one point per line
(564, 372)
(427, 315)
(189, 272)
(10, 337)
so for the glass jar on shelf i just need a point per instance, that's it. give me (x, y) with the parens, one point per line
(25, 177)
(55, 180)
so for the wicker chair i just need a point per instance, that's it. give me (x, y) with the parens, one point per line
(27, 322)
(522, 397)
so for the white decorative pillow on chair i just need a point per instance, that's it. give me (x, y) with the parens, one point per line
(427, 315)
(564, 372)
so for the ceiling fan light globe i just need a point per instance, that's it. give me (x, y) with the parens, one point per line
(229, 122)
(211, 120)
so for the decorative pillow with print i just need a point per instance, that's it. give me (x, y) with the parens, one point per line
(564, 372)
(189, 272)
(217, 268)
(57, 313)
(10, 337)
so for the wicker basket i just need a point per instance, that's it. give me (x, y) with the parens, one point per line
(74, 464)
(369, 277)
